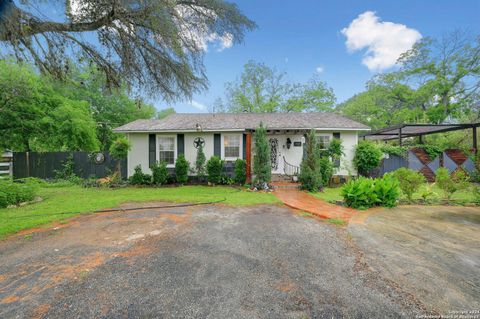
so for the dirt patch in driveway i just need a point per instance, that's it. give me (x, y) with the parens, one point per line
(433, 252)
(207, 261)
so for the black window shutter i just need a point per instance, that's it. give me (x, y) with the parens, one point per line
(336, 135)
(152, 149)
(217, 149)
(180, 144)
(244, 142)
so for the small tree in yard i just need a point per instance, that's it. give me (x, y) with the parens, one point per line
(181, 169)
(310, 176)
(410, 181)
(450, 184)
(240, 171)
(119, 150)
(367, 157)
(261, 164)
(200, 162)
(159, 173)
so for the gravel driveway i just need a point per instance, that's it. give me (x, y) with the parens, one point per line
(431, 251)
(201, 262)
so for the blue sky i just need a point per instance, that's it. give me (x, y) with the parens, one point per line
(298, 37)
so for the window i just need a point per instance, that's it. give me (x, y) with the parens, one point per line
(166, 149)
(323, 142)
(231, 144)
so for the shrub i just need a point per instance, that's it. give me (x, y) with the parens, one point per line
(367, 157)
(214, 170)
(67, 170)
(409, 181)
(139, 178)
(310, 176)
(325, 167)
(262, 162)
(365, 192)
(240, 171)
(182, 167)
(394, 150)
(15, 193)
(450, 184)
(387, 190)
(200, 163)
(226, 180)
(159, 173)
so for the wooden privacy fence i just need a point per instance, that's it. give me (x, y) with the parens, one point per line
(6, 164)
(45, 165)
(418, 160)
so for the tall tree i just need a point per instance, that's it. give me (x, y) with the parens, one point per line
(163, 113)
(155, 45)
(35, 116)
(261, 88)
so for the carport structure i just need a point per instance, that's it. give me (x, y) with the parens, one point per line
(401, 131)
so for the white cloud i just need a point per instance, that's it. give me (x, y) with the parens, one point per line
(319, 69)
(384, 41)
(198, 105)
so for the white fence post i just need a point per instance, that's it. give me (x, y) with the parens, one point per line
(6, 164)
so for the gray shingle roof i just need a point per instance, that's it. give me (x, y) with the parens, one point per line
(241, 121)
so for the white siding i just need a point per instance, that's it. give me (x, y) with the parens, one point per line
(138, 154)
(191, 151)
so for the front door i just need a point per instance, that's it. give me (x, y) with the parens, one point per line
(276, 159)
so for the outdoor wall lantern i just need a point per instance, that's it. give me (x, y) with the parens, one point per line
(198, 127)
(289, 142)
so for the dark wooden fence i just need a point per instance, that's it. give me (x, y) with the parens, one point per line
(418, 160)
(45, 165)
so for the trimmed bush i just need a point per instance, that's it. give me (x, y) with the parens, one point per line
(214, 170)
(409, 181)
(182, 167)
(364, 192)
(450, 184)
(310, 176)
(240, 171)
(367, 157)
(200, 163)
(262, 162)
(159, 173)
(119, 150)
(15, 193)
(139, 178)
(325, 166)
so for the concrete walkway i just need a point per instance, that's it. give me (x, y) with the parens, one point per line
(297, 199)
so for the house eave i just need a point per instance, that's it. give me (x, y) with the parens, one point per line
(241, 130)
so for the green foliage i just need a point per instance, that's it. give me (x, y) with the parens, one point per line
(200, 162)
(182, 167)
(394, 150)
(214, 170)
(119, 148)
(410, 181)
(432, 150)
(226, 180)
(387, 191)
(139, 178)
(159, 173)
(450, 184)
(261, 88)
(67, 170)
(325, 167)
(364, 193)
(335, 149)
(310, 176)
(367, 157)
(240, 171)
(261, 163)
(15, 193)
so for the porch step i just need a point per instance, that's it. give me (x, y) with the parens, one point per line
(281, 178)
(285, 185)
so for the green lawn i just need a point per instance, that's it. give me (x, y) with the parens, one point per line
(74, 200)
(462, 197)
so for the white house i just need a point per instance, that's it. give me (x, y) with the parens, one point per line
(229, 136)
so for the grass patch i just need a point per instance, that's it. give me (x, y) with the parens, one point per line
(463, 197)
(336, 221)
(305, 214)
(63, 202)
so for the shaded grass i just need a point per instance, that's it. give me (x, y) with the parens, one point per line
(336, 221)
(63, 202)
(465, 196)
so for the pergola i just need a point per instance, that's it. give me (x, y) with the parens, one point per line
(399, 132)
